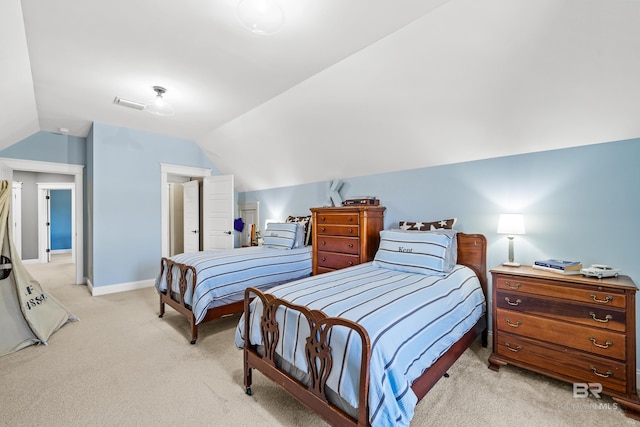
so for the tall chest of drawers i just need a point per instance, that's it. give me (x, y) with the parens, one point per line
(345, 236)
(570, 327)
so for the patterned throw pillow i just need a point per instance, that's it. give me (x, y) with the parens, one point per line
(421, 252)
(280, 235)
(428, 225)
(306, 222)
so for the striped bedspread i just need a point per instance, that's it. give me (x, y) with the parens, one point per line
(411, 319)
(224, 274)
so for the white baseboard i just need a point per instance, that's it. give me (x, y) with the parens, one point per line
(120, 287)
(31, 261)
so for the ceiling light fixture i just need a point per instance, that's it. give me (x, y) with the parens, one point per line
(158, 105)
(264, 17)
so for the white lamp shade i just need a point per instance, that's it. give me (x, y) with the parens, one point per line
(511, 224)
(159, 107)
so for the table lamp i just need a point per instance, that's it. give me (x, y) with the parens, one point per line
(511, 224)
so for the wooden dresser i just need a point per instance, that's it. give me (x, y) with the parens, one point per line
(573, 328)
(345, 236)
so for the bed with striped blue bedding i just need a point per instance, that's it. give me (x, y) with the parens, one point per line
(411, 319)
(222, 275)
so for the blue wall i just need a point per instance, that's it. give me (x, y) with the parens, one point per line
(122, 212)
(578, 203)
(49, 147)
(124, 182)
(60, 215)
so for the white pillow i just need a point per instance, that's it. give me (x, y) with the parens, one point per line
(280, 235)
(422, 252)
(301, 234)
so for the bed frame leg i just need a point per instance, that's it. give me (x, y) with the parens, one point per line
(485, 337)
(194, 332)
(161, 308)
(247, 377)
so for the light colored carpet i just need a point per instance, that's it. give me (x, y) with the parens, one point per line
(121, 365)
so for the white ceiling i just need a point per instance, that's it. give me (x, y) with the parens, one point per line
(346, 88)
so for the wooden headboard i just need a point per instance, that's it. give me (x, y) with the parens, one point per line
(472, 252)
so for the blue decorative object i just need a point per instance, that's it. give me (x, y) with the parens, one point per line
(238, 224)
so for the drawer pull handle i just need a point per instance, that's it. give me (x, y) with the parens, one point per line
(515, 350)
(350, 218)
(323, 259)
(323, 229)
(605, 375)
(350, 230)
(607, 344)
(518, 301)
(324, 242)
(513, 325)
(605, 320)
(350, 245)
(601, 301)
(518, 284)
(350, 263)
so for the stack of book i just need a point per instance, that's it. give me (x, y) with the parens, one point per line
(558, 266)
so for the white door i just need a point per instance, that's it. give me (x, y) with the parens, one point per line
(217, 212)
(16, 215)
(191, 206)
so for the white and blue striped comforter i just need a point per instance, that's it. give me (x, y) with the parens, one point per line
(224, 274)
(411, 319)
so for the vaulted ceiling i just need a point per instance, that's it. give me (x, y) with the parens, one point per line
(346, 88)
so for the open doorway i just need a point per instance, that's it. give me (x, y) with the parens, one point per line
(56, 221)
(173, 174)
(72, 173)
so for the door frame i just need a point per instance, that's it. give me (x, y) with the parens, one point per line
(165, 170)
(7, 166)
(43, 239)
(16, 215)
(243, 209)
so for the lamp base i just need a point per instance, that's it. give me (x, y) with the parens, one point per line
(511, 264)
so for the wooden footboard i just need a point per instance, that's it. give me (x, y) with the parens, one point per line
(318, 354)
(177, 301)
(319, 359)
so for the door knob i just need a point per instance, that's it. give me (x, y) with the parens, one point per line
(195, 231)
(227, 232)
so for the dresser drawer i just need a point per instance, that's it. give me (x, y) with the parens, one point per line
(338, 230)
(594, 340)
(336, 261)
(347, 245)
(605, 297)
(346, 218)
(584, 314)
(580, 367)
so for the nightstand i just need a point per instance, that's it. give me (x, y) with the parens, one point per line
(345, 236)
(570, 327)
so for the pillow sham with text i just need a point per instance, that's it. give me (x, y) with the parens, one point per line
(421, 252)
(280, 235)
